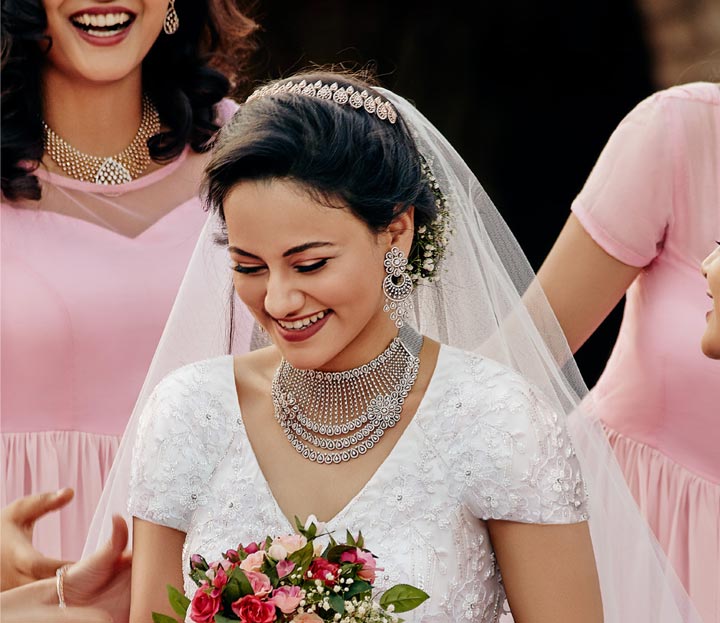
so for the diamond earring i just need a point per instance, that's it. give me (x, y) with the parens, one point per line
(172, 21)
(397, 286)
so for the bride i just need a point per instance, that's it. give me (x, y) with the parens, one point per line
(406, 391)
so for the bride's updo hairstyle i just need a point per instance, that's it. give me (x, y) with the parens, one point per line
(342, 154)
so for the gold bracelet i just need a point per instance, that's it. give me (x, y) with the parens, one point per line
(59, 577)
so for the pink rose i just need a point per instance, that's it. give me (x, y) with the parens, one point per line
(260, 583)
(232, 555)
(321, 569)
(251, 548)
(219, 581)
(204, 606)
(251, 609)
(361, 557)
(253, 561)
(284, 567)
(283, 546)
(287, 598)
(307, 617)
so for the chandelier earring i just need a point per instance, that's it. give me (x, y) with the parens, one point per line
(397, 286)
(172, 21)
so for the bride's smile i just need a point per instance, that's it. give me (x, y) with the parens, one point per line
(310, 271)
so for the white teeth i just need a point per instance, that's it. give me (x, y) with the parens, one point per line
(102, 20)
(300, 324)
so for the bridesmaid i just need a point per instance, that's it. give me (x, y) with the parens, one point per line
(107, 111)
(642, 224)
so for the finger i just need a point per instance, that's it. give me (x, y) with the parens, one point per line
(83, 615)
(30, 508)
(119, 537)
(42, 567)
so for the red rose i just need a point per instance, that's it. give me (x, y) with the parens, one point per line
(321, 569)
(204, 606)
(250, 609)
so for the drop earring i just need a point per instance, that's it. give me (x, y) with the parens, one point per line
(397, 286)
(172, 21)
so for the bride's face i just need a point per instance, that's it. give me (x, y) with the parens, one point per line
(310, 274)
(711, 338)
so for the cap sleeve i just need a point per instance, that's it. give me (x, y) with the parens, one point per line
(626, 203)
(520, 464)
(184, 430)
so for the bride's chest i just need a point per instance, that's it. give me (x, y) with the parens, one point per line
(410, 513)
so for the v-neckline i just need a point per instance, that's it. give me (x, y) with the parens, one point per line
(402, 440)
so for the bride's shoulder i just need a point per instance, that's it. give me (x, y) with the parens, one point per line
(204, 377)
(482, 370)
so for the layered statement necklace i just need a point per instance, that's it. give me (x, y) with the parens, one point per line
(332, 417)
(121, 168)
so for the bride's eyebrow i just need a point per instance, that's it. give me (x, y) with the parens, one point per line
(291, 251)
(304, 247)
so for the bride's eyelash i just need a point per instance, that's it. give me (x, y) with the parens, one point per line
(311, 267)
(250, 270)
(247, 270)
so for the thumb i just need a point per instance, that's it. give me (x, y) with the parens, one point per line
(28, 509)
(113, 548)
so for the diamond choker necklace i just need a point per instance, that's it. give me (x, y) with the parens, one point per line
(331, 417)
(121, 168)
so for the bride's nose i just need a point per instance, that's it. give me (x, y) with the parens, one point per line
(283, 299)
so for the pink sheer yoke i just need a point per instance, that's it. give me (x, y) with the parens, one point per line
(653, 200)
(89, 275)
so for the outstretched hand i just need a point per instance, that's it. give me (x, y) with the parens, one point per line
(96, 589)
(102, 580)
(21, 562)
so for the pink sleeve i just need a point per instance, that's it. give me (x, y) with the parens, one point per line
(626, 203)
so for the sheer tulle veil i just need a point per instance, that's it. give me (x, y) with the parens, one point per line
(486, 300)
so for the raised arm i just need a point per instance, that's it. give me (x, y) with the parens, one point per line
(582, 282)
(549, 572)
(157, 562)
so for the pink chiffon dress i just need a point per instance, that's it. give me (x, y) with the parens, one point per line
(653, 201)
(88, 276)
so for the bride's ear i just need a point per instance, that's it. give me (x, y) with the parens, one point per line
(402, 229)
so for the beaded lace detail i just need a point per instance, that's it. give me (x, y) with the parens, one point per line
(482, 445)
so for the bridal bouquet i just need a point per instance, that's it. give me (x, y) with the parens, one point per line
(295, 577)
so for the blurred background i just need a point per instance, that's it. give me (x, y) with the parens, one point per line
(528, 92)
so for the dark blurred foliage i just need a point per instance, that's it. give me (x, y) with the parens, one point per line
(528, 92)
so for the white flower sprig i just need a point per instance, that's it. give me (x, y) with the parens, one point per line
(430, 240)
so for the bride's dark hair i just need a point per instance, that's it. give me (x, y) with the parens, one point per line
(340, 155)
(186, 75)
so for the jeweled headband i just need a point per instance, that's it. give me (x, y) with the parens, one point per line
(340, 95)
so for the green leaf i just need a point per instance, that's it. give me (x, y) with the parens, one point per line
(198, 576)
(237, 575)
(300, 527)
(303, 557)
(358, 587)
(219, 618)
(360, 541)
(403, 597)
(334, 553)
(178, 601)
(337, 603)
(349, 540)
(163, 618)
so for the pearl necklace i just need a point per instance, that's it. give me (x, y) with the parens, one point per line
(332, 417)
(121, 168)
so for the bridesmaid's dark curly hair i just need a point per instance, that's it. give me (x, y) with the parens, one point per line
(186, 75)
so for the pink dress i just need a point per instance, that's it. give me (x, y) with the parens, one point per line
(653, 200)
(89, 275)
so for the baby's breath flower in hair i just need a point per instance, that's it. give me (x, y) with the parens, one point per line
(431, 239)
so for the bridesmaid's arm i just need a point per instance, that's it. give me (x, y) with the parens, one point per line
(549, 571)
(157, 562)
(582, 282)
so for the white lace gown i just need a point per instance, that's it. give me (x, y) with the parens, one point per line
(482, 445)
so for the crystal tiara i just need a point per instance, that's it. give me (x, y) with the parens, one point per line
(340, 95)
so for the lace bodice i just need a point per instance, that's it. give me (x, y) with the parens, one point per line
(482, 445)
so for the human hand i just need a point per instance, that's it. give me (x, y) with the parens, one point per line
(21, 562)
(102, 580)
